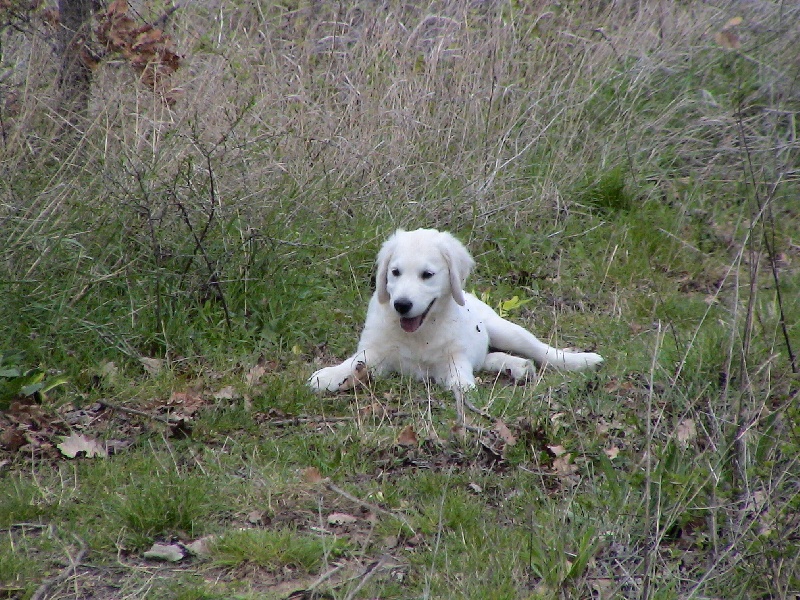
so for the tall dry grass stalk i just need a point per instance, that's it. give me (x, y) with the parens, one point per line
(392, 101)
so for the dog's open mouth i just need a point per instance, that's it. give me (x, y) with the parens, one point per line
(410, 325)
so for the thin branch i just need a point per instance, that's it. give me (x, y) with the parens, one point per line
(212, 270)
(368, 574)
(373, 507)
(323, 419)
(133, 411)
(44, 589)
(765, 207)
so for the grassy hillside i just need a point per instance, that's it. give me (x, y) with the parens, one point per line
(193, 252)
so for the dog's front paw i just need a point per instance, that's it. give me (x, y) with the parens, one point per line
(338, 379)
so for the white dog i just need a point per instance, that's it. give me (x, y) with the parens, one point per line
(420, 322)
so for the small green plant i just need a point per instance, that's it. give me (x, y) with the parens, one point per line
(163, 503)
(276, 549)
(505, 307)
(18, 383)
(20, 501)
(607, 190)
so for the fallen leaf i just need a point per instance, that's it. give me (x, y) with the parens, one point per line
(563, 465)
(557, 450)
(339, 518)
(152, 366)
(603, 586)
(77, 443)
(12, 439)
(728, 39)
(408, 437)
(727, 36)
(735, 21)
(254, 375)
(504, 432)
(167, 552)
(108, 370)
(311, 475)
(686, 432)
(185, 403)
(227, 393)
(375, 409)
(257, 517)
(201, 546)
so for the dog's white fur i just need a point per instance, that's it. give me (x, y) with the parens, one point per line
(420, 322)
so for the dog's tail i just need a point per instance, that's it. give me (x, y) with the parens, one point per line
(511, 338)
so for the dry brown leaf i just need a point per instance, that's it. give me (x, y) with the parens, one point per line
(256, 517)
(563, 465)
(408, 437)
(504, 432)
(152, 366)
(728, 39)
(201, 546)
(339, 518)
(12, 439)
(166, 552)
(374, 409)
(686, 432)
(311, 475)
(255, 375)
(734, 22)
(227, 393)
(185, 403)
(557, 450)
(78, 443)
(604, 587)
(727, 36)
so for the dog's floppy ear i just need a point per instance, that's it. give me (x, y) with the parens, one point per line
(381, 277)
(459, 263)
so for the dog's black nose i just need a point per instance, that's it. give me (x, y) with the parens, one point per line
(403, 306)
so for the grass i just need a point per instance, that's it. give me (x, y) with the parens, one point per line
(632, 179)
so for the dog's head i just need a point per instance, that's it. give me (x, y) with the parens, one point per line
(417, 268)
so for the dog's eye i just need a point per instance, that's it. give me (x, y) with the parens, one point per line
(395, 272)
(427, 274)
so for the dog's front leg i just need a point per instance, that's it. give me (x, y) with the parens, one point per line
(341, 377)
(456, 375)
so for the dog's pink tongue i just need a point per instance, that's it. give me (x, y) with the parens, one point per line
(411, 325)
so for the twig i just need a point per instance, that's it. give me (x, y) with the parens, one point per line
(477, 410)
(45, 587)
(26, 526)
(373, 507)
(765, 207)
(322, 419)
(213, 272)
(324, 577)
(368, 574)
(133, 411)
(162, 20)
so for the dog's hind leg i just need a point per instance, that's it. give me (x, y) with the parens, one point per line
(519, 369)
(510, 337)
